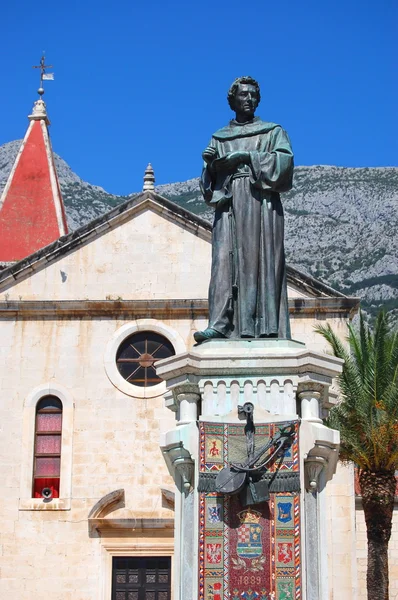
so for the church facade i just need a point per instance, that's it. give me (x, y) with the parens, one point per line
(86, 501)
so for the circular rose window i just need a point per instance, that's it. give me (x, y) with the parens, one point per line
(136, 356)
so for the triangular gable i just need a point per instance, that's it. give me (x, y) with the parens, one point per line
(146, 248)
(139, 250)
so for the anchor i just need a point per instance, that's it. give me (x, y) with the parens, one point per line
(245, 478)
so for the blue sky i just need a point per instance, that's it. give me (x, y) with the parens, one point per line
(147, 81)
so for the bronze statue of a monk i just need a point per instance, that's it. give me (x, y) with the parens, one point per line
(247, 164)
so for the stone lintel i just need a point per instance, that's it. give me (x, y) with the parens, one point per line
(140, 527)
(135, 309)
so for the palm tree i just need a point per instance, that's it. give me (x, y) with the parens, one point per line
(367, 418)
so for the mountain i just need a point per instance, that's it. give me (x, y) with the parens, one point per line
(341, 226)
(83, 201)
(341, 223)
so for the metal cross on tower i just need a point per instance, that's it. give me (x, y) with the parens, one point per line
(43, 75)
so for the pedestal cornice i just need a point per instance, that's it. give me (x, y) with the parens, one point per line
(245, 357)
(225, 373)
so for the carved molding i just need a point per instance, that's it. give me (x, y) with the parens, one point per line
(186, 391)
(168, 498)
(107, 504)
(323, 456)
(311, 387)
(181, 462)
(313, 467)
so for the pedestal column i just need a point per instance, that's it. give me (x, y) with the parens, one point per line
(320, 462)
(310, 405)
(284, 381)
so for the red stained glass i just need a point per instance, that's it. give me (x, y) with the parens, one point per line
(47, 467)
(46, 482)
(49, 422)
(48, 444)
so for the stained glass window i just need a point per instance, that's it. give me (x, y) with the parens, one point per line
(47, 458)
(137, 355)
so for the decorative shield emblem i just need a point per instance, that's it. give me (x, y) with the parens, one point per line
(285, 552)
(249, 535)
(213, 552)
(214, 513)
(214, 591)
(284, 511)
(285, 590)
(214, 449)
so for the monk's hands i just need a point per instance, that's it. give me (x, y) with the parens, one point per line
(209, 154)
(227, 163)
(230, 161)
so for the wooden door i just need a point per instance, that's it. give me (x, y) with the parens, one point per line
(141, 578)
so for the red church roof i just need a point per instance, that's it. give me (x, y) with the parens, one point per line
(32, 213)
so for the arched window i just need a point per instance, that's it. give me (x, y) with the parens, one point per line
(47, 451)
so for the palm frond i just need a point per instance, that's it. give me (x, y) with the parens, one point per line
(367, 415)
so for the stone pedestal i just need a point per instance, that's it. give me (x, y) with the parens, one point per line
(284, 381)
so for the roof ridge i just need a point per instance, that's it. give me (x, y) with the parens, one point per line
(74, 238)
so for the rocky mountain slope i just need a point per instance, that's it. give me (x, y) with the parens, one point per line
(341, 223)
(83, 201)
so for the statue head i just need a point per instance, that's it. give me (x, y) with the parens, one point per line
(244, 96)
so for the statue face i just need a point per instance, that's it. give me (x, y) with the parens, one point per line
(246, 100)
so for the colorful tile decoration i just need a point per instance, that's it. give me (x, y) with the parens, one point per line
(253, 552)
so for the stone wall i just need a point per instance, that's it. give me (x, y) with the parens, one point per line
(115, 440)
(341, 535)
(115, 444)
(111, 435)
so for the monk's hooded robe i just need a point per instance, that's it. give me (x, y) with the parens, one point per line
(248, 292)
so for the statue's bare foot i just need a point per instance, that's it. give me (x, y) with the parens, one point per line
(207, 334)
